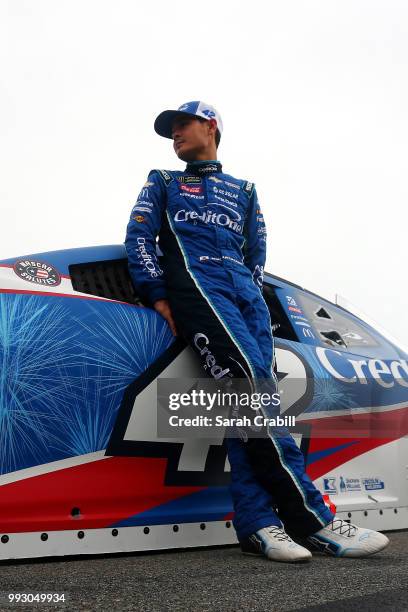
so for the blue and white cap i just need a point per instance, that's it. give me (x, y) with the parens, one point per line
(164, 121)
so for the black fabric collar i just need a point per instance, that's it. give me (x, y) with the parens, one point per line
(203, 168)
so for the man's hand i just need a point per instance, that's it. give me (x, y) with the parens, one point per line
(163, 308)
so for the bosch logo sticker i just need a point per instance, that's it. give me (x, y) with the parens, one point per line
(37, 272)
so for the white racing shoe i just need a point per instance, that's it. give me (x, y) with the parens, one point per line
(275, 544)
(342, 539)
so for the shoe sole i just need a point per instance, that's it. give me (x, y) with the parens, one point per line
(366, 554)
(348, 556)
(250, 554)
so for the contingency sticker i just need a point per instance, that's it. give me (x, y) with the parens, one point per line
(37, 272)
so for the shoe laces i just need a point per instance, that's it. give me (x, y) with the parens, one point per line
(342, 527)
(279, 534)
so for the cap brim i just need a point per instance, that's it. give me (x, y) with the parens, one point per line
(164, 122)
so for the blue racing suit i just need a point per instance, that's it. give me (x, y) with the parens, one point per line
(213, 239)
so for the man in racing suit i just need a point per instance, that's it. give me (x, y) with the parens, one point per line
(213, 238)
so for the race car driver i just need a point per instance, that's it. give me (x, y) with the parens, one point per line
(208, 286)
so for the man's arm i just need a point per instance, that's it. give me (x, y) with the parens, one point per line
(255, 237)
(140, 243)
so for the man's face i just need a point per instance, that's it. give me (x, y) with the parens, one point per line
(191, 137)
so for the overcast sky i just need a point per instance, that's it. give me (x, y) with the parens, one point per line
(313, 95)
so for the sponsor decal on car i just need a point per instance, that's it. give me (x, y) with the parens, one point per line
(37, 272)
(299, 317)
(291, 300)
(349, 370)
(308, 333)
(373, 484)
(349, 484)
(329, 485)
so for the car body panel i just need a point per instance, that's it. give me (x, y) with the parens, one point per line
(81, 467)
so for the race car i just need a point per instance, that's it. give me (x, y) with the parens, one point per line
(83, 469)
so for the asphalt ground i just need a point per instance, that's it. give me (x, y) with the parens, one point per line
(216, 579)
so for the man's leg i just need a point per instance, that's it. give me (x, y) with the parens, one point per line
(338, 537)
(253, 504)
(277, 466)
(257, 320)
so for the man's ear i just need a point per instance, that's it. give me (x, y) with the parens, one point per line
(213, 124)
